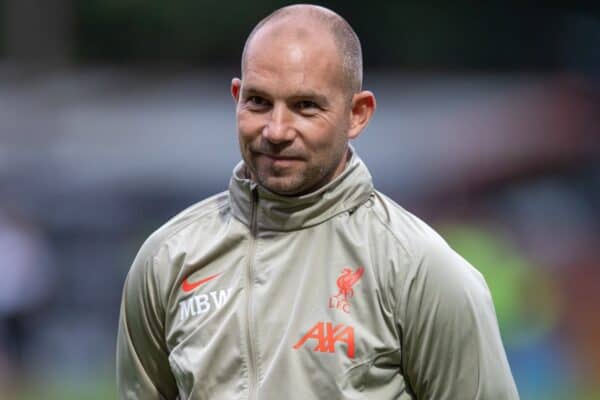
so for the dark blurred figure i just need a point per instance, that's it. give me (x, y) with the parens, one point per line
(26, 282)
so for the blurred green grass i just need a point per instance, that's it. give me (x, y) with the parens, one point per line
(100, 388)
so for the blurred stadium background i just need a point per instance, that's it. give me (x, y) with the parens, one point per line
(116, 114)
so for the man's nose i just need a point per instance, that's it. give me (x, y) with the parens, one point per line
(279, 127)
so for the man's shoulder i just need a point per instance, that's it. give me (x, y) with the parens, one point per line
(197, 213)
(425, 249)
(432, 268)
(409, 231)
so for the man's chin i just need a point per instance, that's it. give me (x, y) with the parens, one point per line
(282, 186)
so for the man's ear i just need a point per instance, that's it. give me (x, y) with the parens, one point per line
(362, 108)
(236, 85)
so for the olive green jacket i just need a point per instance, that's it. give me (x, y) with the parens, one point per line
(337, 294)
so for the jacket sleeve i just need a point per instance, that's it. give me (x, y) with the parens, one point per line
(451, 342)
(143, 370)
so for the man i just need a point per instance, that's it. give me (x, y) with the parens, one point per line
(302, 281)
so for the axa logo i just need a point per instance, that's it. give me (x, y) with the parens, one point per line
(348, 278)
(325, 335)
(201, 303)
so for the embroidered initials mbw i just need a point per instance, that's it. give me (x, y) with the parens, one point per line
(326, 335)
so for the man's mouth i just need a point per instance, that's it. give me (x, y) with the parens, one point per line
(279, 157)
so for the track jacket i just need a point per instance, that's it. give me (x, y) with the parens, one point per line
(337, 294)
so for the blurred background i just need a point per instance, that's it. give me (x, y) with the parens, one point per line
(116, 114)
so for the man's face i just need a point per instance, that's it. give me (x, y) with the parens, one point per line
(293, 112)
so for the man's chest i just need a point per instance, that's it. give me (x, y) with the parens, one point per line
(305, 308)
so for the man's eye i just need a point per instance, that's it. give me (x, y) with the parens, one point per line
(306, 104)
(257, 101)
(307, 107)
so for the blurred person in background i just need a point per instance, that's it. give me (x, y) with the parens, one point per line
(26, 282)
(303, 279)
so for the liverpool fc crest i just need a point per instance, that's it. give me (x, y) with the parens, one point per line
(347, 279)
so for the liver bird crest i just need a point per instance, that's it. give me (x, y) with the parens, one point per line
(347, 279)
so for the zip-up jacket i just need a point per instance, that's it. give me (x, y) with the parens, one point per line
(336, 294)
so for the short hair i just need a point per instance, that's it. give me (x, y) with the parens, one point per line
(346, 39)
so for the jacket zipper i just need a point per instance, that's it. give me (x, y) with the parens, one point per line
(252, 370)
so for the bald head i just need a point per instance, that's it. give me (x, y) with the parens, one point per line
(316, 17)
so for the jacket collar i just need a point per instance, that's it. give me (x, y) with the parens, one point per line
(282, 213)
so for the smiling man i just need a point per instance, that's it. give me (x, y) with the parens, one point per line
(302, 281)
(300, 99)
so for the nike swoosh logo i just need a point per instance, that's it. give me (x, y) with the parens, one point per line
(187, 286)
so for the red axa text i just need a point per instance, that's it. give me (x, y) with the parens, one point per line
(327, 335)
